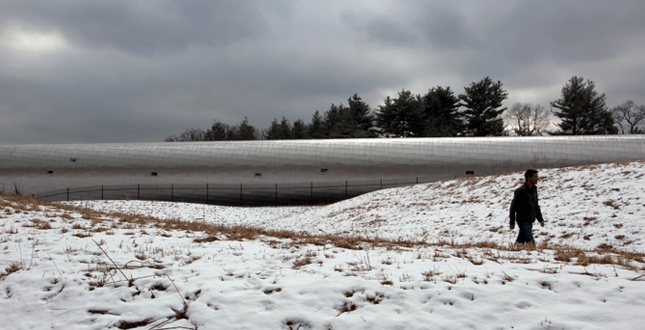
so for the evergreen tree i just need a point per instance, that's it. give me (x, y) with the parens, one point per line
(218, 132)
(245, 131)
(316, 129)
(386, 116)
(275, 132)
(232, 133)
(402, 116)
(285, 128)
(604, 123)
(441, 112)
(582, 110)
(483, 103)
(299, 129)
(361, 117)
(331, 119)
(338, 122)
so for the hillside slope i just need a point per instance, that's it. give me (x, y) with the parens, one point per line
(66, 267)
(586, 207)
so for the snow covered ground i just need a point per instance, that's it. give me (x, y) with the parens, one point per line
(64, 267)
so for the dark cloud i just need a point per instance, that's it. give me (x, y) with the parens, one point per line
(143, 26)
(388, 32)
(571, 31)
(445, 27)
(119, 71)
(433, 24)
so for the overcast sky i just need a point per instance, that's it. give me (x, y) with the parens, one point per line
(137, 71)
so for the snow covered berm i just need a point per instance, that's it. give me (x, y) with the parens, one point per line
(66, 267)
(585, 207)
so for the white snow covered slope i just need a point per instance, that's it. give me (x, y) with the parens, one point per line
(63, 266)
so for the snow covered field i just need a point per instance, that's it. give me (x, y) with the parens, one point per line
(434, 256)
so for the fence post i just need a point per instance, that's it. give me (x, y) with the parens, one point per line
(417, 180)
(345, 188)
(381, 183)
(101, 192)
(68, 194)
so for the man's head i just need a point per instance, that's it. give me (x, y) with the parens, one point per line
(531, 176)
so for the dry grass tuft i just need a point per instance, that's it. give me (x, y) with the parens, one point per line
(299, 262)
(567, 254)
(12, 268)
(376, 298)
(546, 285)
(346, 308)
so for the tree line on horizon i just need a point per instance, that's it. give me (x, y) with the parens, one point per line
(478, 111)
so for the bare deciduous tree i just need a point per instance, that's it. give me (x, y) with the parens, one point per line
(527, 120)
(191, 134)
(628, 116)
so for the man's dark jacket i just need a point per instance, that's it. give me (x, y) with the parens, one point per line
(524, 207)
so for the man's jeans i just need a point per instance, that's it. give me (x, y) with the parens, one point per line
(525, 236)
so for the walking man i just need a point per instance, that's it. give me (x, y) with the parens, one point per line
(525, 209)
